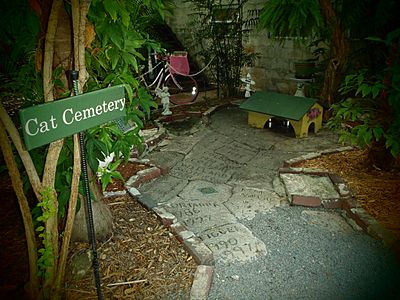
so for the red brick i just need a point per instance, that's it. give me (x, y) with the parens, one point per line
(349, 203)
(163, 169)
(309, 201)
(167, 218)
(147, 175)
(332, 203)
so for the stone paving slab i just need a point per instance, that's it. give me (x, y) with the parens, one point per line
(164, 188)
(209, 167)
(166, 159)
(206, 191)
(246, 203)
(182, 144)
(199, 215)
(237, 152)
(270, 160)
(278, 186)
(233, 243)
(212, 141)
(251, 180)
(318, 187)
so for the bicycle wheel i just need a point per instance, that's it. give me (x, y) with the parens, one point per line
(182, 89)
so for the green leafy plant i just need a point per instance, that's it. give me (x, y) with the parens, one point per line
(109, 173)
(370, 117)
(46, 251)
(31, 76)
(19, 28)
(215, 33)
(334, 22)
(300, 19)
(115, 57)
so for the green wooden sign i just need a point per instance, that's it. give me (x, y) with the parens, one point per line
(51, 121)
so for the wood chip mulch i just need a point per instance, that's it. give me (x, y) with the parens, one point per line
(142, 259)
(377, 191)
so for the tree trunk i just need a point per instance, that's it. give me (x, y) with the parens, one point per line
(380, 157)
(76, 39)
(63, 50)
(48, 181)
(23, 154)
(33, 285)
(339, 49)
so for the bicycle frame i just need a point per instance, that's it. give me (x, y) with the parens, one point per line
(182, 88)
(160, 79)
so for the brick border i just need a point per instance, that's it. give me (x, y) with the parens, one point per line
(203, 256)
(345, 195)
(141, 177)
(200, 252)
(346, 202)
(148, 174)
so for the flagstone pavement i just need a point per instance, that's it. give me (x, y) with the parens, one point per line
(256, 229)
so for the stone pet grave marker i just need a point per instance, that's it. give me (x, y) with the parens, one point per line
(204, 190)
(237, 152)
(204, 167)
(166, 188)
(320, 188)
(233, 243)
(248, 202)
(200, 215)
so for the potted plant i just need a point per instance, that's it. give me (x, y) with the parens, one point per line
(304, 69)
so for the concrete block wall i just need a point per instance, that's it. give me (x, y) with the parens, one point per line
(274, 68)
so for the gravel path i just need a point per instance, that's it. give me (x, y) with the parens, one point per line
(309, 261)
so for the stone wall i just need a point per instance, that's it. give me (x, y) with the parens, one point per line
(274, 68)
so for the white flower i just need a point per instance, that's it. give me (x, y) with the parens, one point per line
(103, 165)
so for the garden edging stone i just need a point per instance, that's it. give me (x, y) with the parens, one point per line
(346, 202)
(194, 246)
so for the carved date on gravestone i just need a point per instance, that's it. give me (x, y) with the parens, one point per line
(233, 242)
(198, 216)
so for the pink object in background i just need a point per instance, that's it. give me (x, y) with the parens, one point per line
(179, 64)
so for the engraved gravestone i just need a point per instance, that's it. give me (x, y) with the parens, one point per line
(199, 215)
(202, 190)
(164, 188)
(182, 144)
(237, 152)
(165, 158)
(206, 166)
(308, 185)
(245, 202)
(233, 243)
